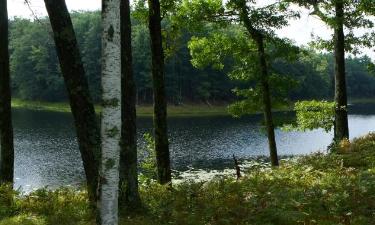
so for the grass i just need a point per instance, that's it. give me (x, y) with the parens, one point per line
(38, 105)
(188, 110)
(143, 110)
(314, 189)
(362, 101)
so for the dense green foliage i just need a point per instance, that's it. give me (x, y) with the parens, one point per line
(317, 189)
(234, 46)
(233, 55)
(312, 115)
(36, 74)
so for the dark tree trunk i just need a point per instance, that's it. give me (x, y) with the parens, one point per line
(264, 79)
(83, 111)
(267, 106)
(160, 102)
(6, 129)
(128, 157)
(341, 113)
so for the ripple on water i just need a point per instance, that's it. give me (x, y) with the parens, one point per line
(47, 153)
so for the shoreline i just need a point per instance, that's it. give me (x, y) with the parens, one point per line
(185, 110)
(188, 110)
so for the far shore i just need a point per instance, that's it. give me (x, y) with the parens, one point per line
(142, 110)
(183, 110)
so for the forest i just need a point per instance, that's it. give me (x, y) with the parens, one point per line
(36, 73)
(295, 145)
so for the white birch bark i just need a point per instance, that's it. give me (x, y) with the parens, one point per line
(111, 114)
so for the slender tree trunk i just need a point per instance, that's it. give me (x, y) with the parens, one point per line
(160, 101)
(6, 129)
(264, 79)
(341, 113)
(128, 157)
(267, 106)
(111, 114)
(78, 91)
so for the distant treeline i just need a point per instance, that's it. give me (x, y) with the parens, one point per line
(36, 74)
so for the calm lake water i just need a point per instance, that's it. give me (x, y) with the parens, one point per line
(47, 152)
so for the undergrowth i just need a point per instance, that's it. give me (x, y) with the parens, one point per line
(315, 189)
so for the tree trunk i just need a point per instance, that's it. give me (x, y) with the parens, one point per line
(6, 129)
(341, 113)
(264, 79)
(78, 91)
(111, 114)
(160, 101)
(128, 157)
(267, 106)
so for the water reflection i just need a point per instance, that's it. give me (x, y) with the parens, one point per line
(47, 152)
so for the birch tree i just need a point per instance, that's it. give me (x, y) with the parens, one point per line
(111, 113)
(6, 129)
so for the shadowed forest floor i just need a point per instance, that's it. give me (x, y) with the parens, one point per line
(315, 189)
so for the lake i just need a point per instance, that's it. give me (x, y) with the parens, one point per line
(47, 152)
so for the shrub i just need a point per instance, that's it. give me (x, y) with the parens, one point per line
(23, 220)
(326, 189)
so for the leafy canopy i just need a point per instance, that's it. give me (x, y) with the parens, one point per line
(314, 114)
(231, 42)
(358, 21)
